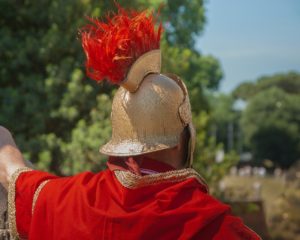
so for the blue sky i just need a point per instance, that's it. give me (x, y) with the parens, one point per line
(252, 38)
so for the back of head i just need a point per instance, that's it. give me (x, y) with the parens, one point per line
(150, 110)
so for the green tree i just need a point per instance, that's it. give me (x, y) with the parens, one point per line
(184, 20)
(199, 72)
(271, 126)
(288, 82)
(225, 121)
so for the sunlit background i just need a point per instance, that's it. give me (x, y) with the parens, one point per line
(239, 59)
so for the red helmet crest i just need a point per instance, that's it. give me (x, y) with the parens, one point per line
(111, 47)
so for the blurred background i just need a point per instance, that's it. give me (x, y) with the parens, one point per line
(239, 59)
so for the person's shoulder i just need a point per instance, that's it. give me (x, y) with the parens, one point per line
(82, 183)
(85, 177)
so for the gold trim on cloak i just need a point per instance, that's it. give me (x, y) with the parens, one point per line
(132, 181)
(37, 193)
(11, 201)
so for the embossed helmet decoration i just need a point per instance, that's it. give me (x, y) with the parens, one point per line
(150, 110)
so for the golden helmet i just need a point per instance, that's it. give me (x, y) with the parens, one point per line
(150, 110)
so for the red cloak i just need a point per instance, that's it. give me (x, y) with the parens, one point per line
(121, 204)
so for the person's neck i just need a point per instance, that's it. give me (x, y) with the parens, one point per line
(168, 156)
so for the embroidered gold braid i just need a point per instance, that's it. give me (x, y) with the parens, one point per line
(131, 180)
(11, 201)
(36, 194)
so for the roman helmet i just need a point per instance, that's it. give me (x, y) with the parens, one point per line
(150, 110)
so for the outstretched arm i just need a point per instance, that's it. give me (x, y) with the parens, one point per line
(10, 157)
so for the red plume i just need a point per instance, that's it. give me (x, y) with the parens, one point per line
(112, 47)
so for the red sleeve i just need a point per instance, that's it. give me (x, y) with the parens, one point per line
(38, 207)
(233, 228)
(64, 208)
(24, 184)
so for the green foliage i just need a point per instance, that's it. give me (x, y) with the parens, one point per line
(199, 72)
(289, 83)
(271, 126)
(225, 120)
(60, 118)
(184, 21)
(42, 95)
(222, 109)
(205, 154)
(88, 136)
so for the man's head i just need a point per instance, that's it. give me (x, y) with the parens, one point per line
(157, 116)
(150, 110)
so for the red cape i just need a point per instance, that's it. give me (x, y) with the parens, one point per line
(122, 205)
